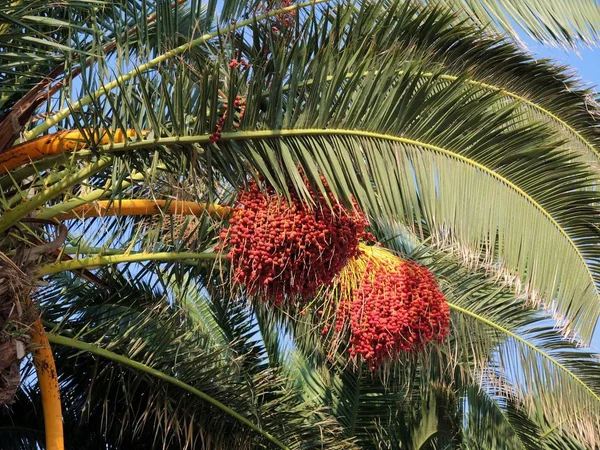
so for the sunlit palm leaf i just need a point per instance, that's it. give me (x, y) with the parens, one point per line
(547, 375)
(548, 20)
(416, 139)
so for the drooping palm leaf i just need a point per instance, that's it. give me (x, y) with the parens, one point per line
(533, 365)
(394, 108)
(392, 123)
(133, 324)
(548, 20)
(494, 426)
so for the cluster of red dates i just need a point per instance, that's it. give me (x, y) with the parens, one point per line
(285, 249)
(288, 251)
(389, 305)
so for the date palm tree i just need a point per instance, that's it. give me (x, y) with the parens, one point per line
(120, 162)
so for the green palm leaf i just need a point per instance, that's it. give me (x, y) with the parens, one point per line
(549, 20)
(148, 356)
(497, 423)
(401, 145)
(533, 365)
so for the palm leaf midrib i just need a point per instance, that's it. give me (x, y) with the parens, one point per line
(513, 335)
(480, 84)
(272, 134)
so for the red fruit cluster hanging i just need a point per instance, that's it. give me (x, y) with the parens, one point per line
(282, 249)
(239, 106)
(389, 305)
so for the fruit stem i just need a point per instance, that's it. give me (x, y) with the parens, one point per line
(142, 207)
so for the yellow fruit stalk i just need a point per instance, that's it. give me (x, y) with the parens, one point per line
(103, 208)
(54, 145)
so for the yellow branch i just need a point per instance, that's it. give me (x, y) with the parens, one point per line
(54, 145)
(103, 208)
(43, 361)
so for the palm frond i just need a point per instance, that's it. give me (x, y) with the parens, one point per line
(398, 142)
(547, 21)
(533, 365)
(498, 65)
(491, 425)
(140, 350)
